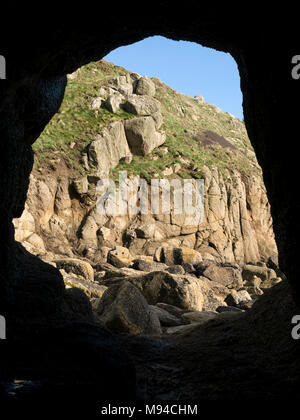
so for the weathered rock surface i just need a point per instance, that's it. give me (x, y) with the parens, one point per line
(236, 227)
(119, 257)
(109, 271)
(174, 310)
(96, 103)
(25, 226)
(109, 148)
(230, 277)
(113, 102)
(123, 308)
(141, 105)
(183, 329)
(166, 319)
(262, 272)
(81, 185)
(213, 293)
(76, 266)
(122, 84)
(142, 135)
(199, 316)
(144, 86)
(173, 255)
(143, 265)
(92, 290)
(182, 291)
(236, 298)
(215, 343)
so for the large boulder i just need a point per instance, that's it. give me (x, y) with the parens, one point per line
(228, 276)
(144, 86)
(141, 105)
(76, 266)
(107, 271)
(109, 148)
(148, 266)
(122, 84)
(183, 329)
(142, 135)
(213, 293)
(263, 272)
(173, 310)
(166, 319)
(106, 237)
(76, 305)
(24, 226)
(113, 102)
(119, 257)
(236, 298)
(123, 308)
(90, 229)
(182, 291)
(92, 290)
(81, 185)
(96, 102)
(253, 287)
(199, 316)
(177, 255)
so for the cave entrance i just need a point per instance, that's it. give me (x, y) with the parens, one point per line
(115, 122)
(178, 274)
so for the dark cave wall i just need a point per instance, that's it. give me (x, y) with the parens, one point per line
(270, 110)
(45, 51)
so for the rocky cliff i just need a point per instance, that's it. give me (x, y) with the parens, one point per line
(112, 120)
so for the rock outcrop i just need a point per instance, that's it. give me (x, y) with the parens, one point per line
(62, 214)
(231, 230)
(110, 146)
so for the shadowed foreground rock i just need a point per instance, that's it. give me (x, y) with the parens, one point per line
(77, 365)
(236, 356)
(124, 309)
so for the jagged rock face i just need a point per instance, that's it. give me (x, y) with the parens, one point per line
(109, 148)
(143, 136)
(237, 223)
(124, 309)
(62, 213)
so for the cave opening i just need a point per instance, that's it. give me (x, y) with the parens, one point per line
(179, 275)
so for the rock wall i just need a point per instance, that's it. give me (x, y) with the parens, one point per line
(63, 218)
(62, 215)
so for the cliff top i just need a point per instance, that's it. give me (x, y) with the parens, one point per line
(197, 133)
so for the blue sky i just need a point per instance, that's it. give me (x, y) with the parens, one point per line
(186, 67)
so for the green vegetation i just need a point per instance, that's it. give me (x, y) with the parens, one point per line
(185, 120)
